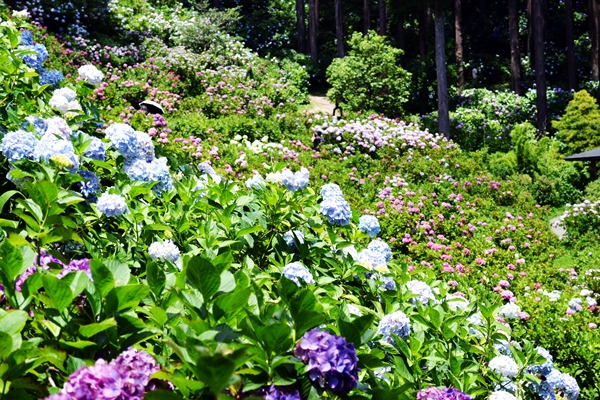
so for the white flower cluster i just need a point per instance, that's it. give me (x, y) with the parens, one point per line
(91, 74)
(504, 366)
(64, 100)
(509, 311)
(164, 251)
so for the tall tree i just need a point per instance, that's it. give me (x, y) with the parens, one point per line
(339, 29)
(301, 26)
(312, 29)
(424, 25)
(515, 52)
(440, 65)
(366, 16)
(571, 68)
(382, 18)
(594, 29)
(458, 35)
(538, 64)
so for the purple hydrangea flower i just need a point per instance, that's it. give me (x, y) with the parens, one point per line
(279, 393)
(433, 393)
(332, 362)
(136, 368)
(369, 225)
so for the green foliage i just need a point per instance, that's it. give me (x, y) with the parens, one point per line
(526, 151)
(579, 127)
(592, 190)
(503, 164)
(370, 76)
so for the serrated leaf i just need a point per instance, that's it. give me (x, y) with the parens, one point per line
(203, 276)
(59, 293)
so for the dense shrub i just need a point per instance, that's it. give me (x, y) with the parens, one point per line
(579, 127)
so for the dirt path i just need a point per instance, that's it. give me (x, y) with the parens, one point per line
(320, 103)
(557, 229)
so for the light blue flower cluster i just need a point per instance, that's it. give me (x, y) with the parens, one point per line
(371, 259)
(18, 145)
(502, 395)
(295, 271)
(52, 77)
(90, 186)
(95, 150)
(207, 170)
(40, 125)
(423, 290)
(124, 139)
(544, 368)
(155, 171)
(291, 237)
(112, 205)
(90, 74)
(38, 56)
(369, 224)
(396, 323)
(50, 146)
(334, 206)
(504, 366)
(256, 182)
(26, 38)
(565, 383)
(381, 247)
(388, 283)
(164, 251)
(295, 181)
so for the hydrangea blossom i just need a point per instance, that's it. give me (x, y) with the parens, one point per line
(279, 393)
(19, 145)
(502, 395)
(295, 271)
(369, 225)
(565, 383)
(504, 366)
(395, 323)
(256, 182)
(290, 238)
(382, 248)
(50, 146)
(337, 210)
(509, 311)
(155, 171)
(544, 368)
(90, 186)
(95, 150)
(52, 77)
(423, 290)
(57, 126)
(26, 38)
(331, 190)
(332, 362)
(164, 251)
(40, 125)
(38, 56)
(295, 181)
(433, 393)
(64, 100)
(124, 139)
(456, 302)
(91, 74)
(206, 169)
(112, 205)
(371, 259)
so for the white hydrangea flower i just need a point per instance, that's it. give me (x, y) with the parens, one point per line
(91, 74)
(509, 311)
(164, 251)
(504, 366)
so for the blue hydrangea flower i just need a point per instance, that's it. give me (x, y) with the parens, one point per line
(332, 362)
(337, 210)
(565, 383)
(112, 205)
(95, 150)
(290, 238)
(295, 271)
(295, 181)
(52, 77)
(36, 59)
(504, 366)
(26, 38)
(256, 182)
(279, 393)
(145, 147)
(371, 259)
(544, 368)
(124, 139)
(433, 393)
(90, 186)
(395, 323)
(40, 125)
(388, 283)
(369, 225)
(200, 186)
(423, 290)
(382, 248)
(544, 390)
(19, 145)
(164, 251)
(50, 146)
(331, 189)
(155, 171)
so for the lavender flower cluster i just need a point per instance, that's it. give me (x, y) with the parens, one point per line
(433, 393)
(279, 393)
(295, 271)
(396, 323)
(332, 362)
(124, 378)
(334, 206)
(140, 162)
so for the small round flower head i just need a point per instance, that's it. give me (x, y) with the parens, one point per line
(575, 304)
(68, 94)
(256, 182)
(337, 210)
(388, 283)
(135, 368)
(279, 393)
(504, 366)
(456, 302)
(290, 238)
(206, 169)
(421, 289)
(433, 393)
(331, 190)
(99, 381)
(91, 74)
(164, 251)
(295, 271)
(90, 186)
(273, 177)
(544, 390)
(370, 259)
(57, 126)
(124, 139)
(39, 124)
(112, 205)
(51, 77)
(509, 311)
(50, 146)
(295, 181)
(369, 225)
(565, 383)
(19, 145)
(332, 362)
(37, 58)
(155, 171)
(95, 150)
(26, 38)
(544, 368)
(382, 248)
(145, 147)
(502, 395)
(395, 323)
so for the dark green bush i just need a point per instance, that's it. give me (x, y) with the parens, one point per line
(579, 126)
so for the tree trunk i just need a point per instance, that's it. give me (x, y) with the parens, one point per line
(366, 16)
(515, 53)
(529, 29)
(339, 29)
(593, 19)
(382, 17)
(458, 34)
(440, 66)
(424, 23)
(312, 30)
(571, 68)
(301, 26)
(538, 62)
